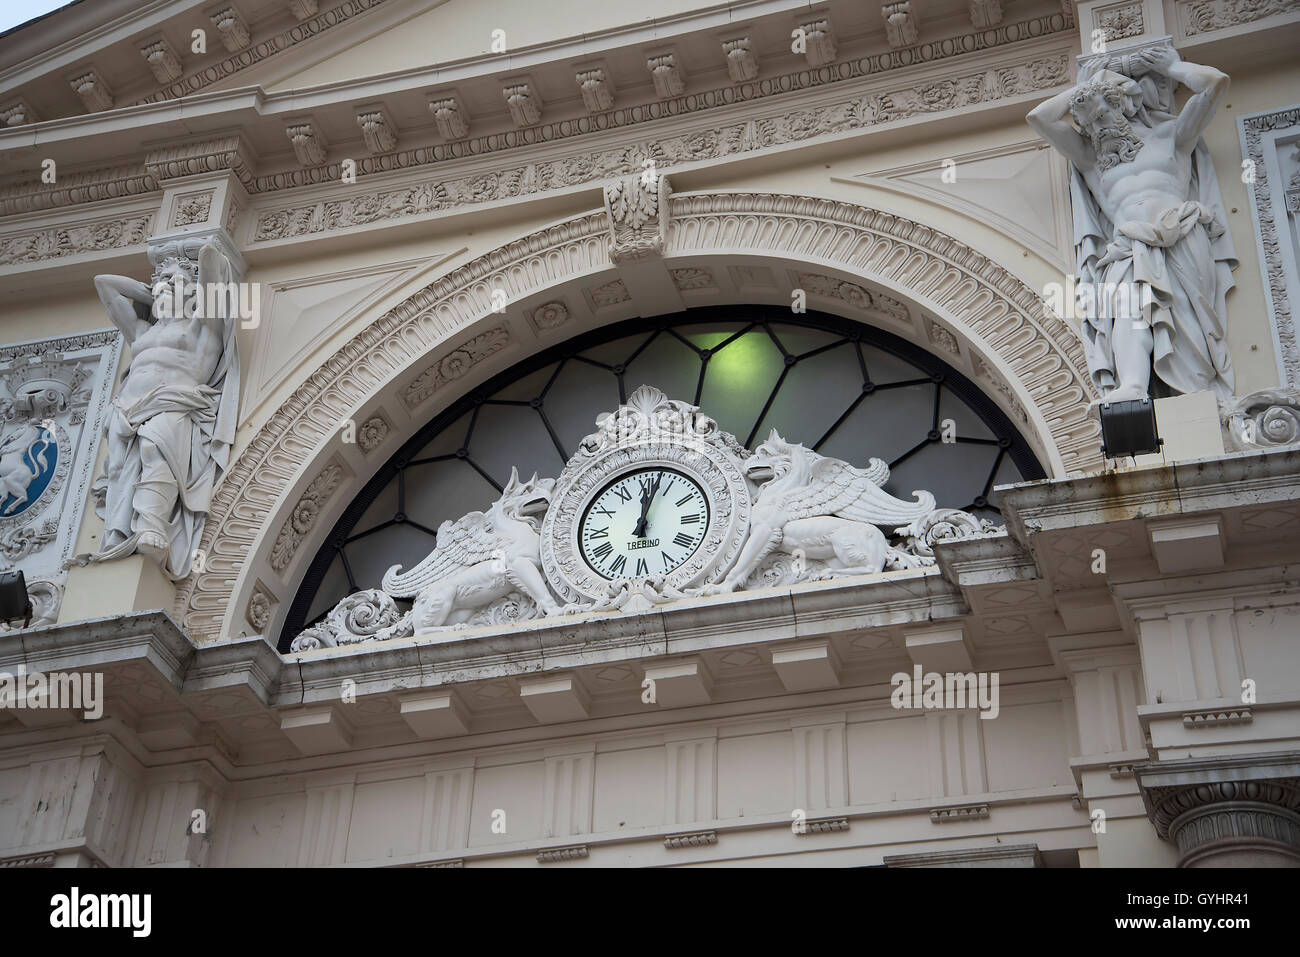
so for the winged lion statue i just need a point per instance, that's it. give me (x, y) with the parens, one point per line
(479, 558)
(821, 508)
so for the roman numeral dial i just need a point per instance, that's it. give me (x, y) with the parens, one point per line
(643, 524)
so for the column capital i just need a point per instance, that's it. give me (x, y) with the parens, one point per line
(1237, 810)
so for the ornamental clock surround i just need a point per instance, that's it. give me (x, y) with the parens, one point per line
(612, 493)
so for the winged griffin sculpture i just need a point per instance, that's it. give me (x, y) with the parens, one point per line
(480, 558)
(819, 508)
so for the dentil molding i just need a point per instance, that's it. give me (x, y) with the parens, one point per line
(958, 89)
(366, 205)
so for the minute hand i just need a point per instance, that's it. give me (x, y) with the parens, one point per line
(639, 531)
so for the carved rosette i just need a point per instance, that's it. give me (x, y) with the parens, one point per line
(455, 364)
(260, 607)
(637, 207)
(372, 433)
(650, 430)
(551, 315)
(303, 518)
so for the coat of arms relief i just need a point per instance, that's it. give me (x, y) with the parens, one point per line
(53, 397)
(658, 505)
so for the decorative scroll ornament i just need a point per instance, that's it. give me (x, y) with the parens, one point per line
(1267, 419)
(941, 525)
(368, 615)
(637, 207)
(811, 518)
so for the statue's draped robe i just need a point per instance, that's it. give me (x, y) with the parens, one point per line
(185, 430)
(1181, 269)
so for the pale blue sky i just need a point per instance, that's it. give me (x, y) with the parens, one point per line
(14, 12)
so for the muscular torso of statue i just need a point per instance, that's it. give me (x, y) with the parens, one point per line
(1154, 181)
(179, 352)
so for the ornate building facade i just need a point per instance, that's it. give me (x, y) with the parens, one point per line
(547, 435)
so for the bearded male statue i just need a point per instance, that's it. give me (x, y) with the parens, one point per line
(1151, 239)
(172, 422)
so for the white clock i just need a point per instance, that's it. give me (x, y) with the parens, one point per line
(658, 493)
(644, 524)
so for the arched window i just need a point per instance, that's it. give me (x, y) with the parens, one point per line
(844, 389)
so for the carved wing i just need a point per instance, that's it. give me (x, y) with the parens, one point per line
(838, 488)
(464, 542)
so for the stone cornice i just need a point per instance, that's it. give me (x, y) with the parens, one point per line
(1183, 488)
(706, 139)
(1040, 39)
(151, 634)
(73, 189)
(677, 107)
(230, 152)
(162, 163)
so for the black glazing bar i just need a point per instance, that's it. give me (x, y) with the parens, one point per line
(491, 481)
(772, 335)
(431, 459)
(732, 338)
(684, 341)
(370, 531)
(767, 405)
(559, 446)
(559, 367)
(903, 384)
(820, 349)
(840, 421)
(993, 472)
(347, 570)
(473, 420)
(909, 453)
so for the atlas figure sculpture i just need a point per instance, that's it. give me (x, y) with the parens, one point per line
(1150, 234)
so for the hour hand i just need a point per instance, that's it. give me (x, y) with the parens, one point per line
(647, 493)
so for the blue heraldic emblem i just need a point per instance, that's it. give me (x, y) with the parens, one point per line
(29, 454)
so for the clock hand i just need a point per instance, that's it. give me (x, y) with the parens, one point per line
(639, 531)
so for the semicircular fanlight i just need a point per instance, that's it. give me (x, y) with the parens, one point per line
(844, 389)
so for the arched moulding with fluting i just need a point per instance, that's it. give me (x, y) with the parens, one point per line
(1039, 357)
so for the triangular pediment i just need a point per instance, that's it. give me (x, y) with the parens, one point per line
(1018, 189)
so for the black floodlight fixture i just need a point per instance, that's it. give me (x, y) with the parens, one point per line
(1129, 428)
(14, 603)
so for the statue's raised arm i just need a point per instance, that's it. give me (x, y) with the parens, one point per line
(128, 303)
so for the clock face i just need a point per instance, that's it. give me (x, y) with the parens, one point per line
(645, 523)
